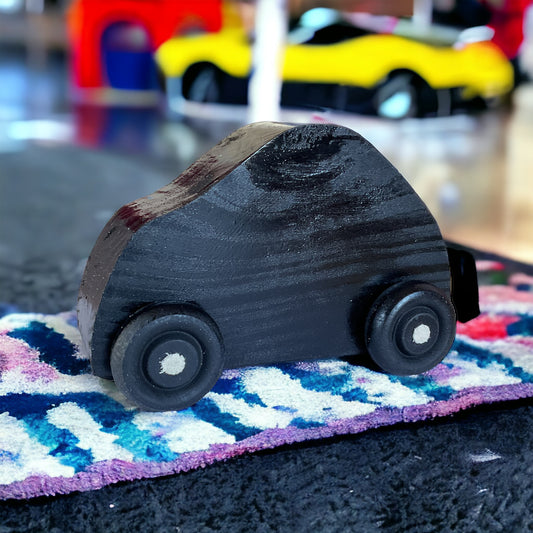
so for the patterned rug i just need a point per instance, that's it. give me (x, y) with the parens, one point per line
(64, 430)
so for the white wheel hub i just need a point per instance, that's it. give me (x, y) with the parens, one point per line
(421, 334)
(172, 364)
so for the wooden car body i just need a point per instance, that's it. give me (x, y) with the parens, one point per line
(281, 236)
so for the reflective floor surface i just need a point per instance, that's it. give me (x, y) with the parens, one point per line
(65, 166)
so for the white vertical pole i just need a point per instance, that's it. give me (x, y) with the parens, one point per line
(423, 12)
(264, 92)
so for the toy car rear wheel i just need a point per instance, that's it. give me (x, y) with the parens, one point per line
(404, 94)
(166, 360)
(202, 83)
(397, 97)
(410, 328)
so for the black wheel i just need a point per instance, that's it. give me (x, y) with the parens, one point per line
(406, 95)
(410, 328)
(165, 360)
(202, 84)
(397, 97)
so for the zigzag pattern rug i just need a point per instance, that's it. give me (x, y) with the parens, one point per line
(64, 430)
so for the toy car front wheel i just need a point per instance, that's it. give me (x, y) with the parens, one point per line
(166, 360)
(410, 328)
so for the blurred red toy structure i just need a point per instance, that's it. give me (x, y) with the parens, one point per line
(507, 20)
(112, 42)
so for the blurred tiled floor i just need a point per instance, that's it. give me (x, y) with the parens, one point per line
(477, 178)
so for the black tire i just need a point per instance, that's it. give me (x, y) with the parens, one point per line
(397, 98)
(202, 84)
(410, 328)
(406, 95)
(166, 360)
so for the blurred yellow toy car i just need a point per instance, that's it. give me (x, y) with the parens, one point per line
(341, 67)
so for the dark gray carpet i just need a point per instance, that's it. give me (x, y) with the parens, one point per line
(435, 477)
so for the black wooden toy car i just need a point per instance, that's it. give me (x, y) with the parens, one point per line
(281, 243)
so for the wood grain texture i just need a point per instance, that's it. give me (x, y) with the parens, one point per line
(285, 245)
